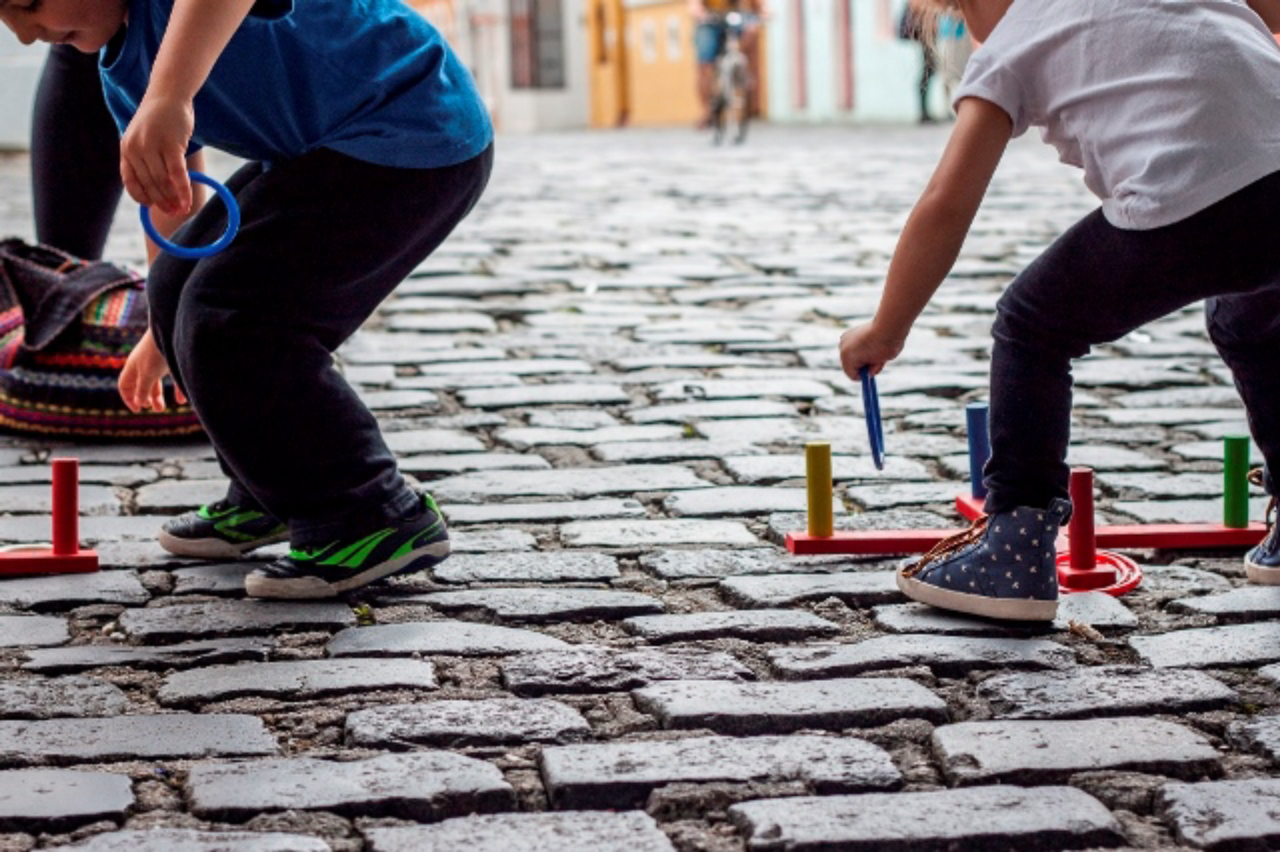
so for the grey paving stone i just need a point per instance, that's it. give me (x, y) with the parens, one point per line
(739, 500)
(410, 442)
(1224, 815)
(124, 476)
(393, 400)
(64, 741)
(1213, 450)
(782, 523)
(49, 800)
(1247, 603)
(514, 366)
(859, 589)
(551, 567)
(571, 418)
(179, 494)
(873, 498)
(1209, 647)
(541, 513)
(779, 708)
(225, 579)
(1049, 752)
(1003, 817)
(692, 564)
(29, 631)
(761, 470)
(207, 652)
(591, 669)
(456, 724)
(731, 409)
(1182, 580)
(619, 775)
(689, 449)
(650, 533)
(28, 499)
(567, 482)
(1225, 397)
(947, 656)
(761, 625)
(1162, 486)
(598, 831)
(65, 591)
(1104, 691)
(294, 680)
(491, 541)
(1184, 511)
(231, 618)
(528, 438)
(94, 531)
(190, 840)
(1260, 734)
(41, 698)
(466, 462)
(1107, 458)
(536, 605)
(529, 395)
(1271, 673)
(446, 638)
(715, 389)
(420, 786)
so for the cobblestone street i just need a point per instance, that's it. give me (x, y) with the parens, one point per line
(607, 378)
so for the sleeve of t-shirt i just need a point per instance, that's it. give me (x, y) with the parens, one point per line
(989, 77)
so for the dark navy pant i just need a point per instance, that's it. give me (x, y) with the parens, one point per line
(75, 155)
(249, 333)
(1097, 283)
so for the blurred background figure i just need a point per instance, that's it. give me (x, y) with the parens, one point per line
(913, 27)
(954, 47)
(710, 37)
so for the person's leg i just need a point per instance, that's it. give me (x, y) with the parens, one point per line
(75, 155)
(237, 524)
(926, 77)
(1094, 285)
(324, 239)
(707, 38)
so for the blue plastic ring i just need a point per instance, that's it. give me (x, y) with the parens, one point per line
(197, 252)
(871, 407)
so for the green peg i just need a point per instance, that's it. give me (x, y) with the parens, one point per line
(1235, 482)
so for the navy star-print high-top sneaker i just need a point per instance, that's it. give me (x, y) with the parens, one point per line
(1263, 562)
(1004, 566)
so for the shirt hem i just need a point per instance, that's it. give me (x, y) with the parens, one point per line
(1121, 215)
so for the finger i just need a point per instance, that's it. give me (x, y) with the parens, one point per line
(128, 393)
(179, 182)
(132, 185)
(157, 396)
(178, 395)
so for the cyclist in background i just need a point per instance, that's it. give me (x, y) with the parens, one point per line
(709, 36)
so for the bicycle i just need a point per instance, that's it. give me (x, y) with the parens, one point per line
(730, 100)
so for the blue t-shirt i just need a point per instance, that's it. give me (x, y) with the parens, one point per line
(367, 78)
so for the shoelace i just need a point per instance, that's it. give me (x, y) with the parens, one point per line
(948, 546)
(1255, 478)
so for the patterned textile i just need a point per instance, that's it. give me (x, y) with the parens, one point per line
(66, 328)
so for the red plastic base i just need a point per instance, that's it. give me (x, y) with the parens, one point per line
(1111, 573)
(970, 507)
(41, 560)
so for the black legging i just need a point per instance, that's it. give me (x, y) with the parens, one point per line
(75, 155)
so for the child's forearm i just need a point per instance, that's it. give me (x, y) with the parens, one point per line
(198, 32)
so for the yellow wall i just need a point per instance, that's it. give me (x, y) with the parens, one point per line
(661, 67)
(607, 53)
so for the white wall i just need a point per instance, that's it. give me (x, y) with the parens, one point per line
(19, 72)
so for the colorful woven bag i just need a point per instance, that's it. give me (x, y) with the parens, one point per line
(66, 327)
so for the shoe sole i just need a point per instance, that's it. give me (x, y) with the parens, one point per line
(214, 548)
(314, 588)
(1262, 575)
(1005, 609)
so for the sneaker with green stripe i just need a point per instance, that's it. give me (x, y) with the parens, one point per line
(413, 543)
(221, 530)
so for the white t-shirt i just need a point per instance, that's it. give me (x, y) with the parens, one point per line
(1168, 105)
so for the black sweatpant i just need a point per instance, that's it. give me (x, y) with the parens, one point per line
(1097, 283)
(75, 155)
(249, 332)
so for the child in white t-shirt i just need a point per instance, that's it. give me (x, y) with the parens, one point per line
(1172, 109)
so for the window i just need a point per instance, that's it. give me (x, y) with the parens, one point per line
(537, 44)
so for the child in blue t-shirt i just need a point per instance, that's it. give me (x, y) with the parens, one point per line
(367, 144)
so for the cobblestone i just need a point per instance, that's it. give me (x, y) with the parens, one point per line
(607, 377)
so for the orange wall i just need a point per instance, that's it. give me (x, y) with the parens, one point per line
(660, 78)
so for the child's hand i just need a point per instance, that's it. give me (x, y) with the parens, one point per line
(140, 382)
(867, 346)
(153, 154)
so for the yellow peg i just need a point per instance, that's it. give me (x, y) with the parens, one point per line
(817, 469)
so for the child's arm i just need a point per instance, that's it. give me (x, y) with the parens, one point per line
(933, 235)
(1269, 11)
(154, 147)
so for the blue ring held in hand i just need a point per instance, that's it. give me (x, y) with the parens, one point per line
(871, 406)
(197, 252)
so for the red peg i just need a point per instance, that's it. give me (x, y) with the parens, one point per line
(1084, 568)
(65, 555)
